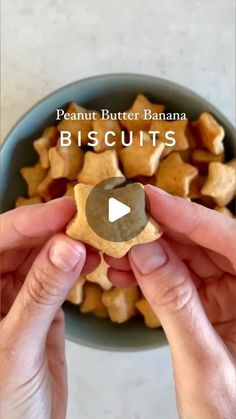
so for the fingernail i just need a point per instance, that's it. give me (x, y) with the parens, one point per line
(148, 257)
(157, 190)
(65, 256)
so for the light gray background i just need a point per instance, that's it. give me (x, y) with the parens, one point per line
(49, 43)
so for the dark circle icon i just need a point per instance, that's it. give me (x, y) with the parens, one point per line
(116, 209)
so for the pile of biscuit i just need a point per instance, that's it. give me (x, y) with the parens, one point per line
(194, 169)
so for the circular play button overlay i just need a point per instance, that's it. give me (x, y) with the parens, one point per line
(116, 210)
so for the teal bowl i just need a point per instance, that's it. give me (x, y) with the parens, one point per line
(115, 92)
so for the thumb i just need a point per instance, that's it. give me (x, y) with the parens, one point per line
(167, 285)
(51, 277)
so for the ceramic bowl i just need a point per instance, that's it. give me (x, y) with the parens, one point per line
(115, 92)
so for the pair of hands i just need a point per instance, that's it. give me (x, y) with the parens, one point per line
(188, 277)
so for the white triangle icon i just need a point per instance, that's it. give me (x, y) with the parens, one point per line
(117, 210)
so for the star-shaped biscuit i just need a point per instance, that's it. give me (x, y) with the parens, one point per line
(80, 229)
(210, 133)
(66, 161)
(120, 303)
(102, 127)
(33, 177)
(180, 128)
(92, 302)
(141, 124)
(99, 166)
(44, 143)
(141, 160)
(220, 183)
(175, 176)
(99, 275)
(75, 125)
(100, 312)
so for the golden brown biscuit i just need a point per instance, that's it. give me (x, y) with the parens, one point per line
(225, 211)
(76, 294)
(210, 133)
(99, 275)
(27, 201)
(42, 145)
(73, 125)
(79, 229)
(141, 124)
(120, 303)
(150, 318)
(51, 188)
(92, 301)
(66, 161)
(220, 183)
(100, 312)
(141, 160)
(98, 167)
(202, 158)
(175, 176)
(102, 127)
(33, 177)
(180, 130)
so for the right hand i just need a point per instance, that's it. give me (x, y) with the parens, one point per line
(189, 279)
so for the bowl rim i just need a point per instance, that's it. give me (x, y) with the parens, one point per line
(101, 78)
(120, 349)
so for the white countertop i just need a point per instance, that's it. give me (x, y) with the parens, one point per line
(49, 43)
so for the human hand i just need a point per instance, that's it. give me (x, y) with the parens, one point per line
(39, 265)
(189, 279)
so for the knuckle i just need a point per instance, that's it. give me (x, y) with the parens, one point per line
(43, 286)
(173, 294)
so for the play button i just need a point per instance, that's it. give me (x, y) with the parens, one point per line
(116, 210)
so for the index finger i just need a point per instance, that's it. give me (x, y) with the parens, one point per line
(203, 226)
(27, 225)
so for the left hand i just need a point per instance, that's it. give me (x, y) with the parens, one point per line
(39, 265)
